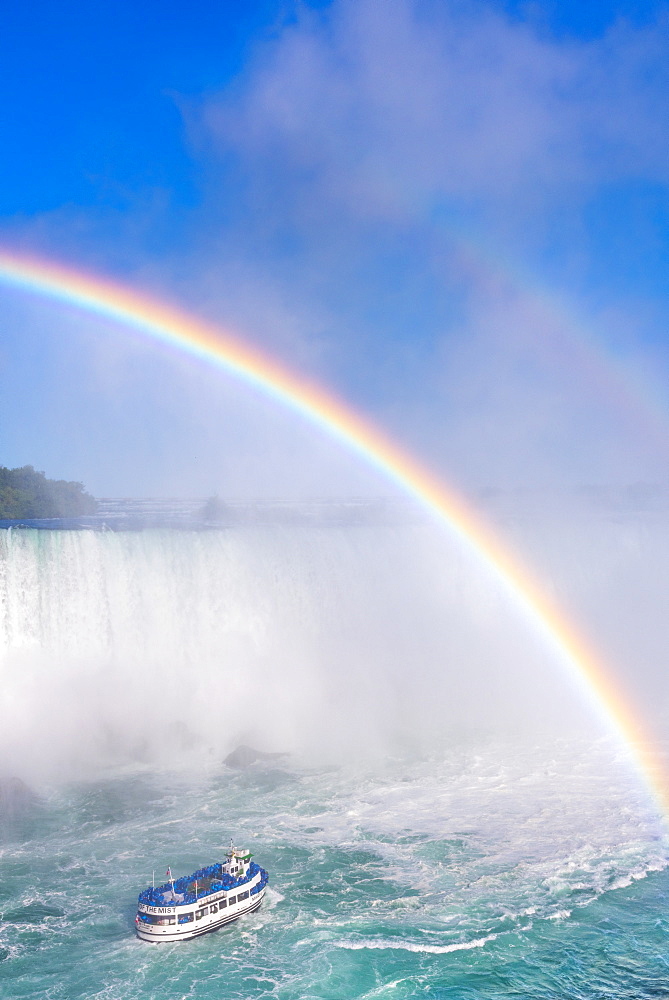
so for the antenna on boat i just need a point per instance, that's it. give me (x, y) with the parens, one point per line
(153, 878)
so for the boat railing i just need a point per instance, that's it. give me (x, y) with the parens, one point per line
(209, 881)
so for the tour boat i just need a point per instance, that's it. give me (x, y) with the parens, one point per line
(204, 901)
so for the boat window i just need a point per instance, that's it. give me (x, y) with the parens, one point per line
(213, 908)
(242, 895)
(201, 913)
(152, 918)
(222, 903)
(186, 918)
(231, 900)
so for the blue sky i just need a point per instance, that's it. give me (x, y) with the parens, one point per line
(454, 213)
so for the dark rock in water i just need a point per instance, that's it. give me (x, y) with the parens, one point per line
(244, 756)
(15, 799)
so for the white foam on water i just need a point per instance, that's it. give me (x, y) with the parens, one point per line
(375, 944)
(272, 897)
(384, 988)
(389, 887)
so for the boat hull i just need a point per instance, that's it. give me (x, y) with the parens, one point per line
(161, 935)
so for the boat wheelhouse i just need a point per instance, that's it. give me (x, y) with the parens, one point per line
(204, 901)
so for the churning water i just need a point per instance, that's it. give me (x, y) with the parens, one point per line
(446, 825)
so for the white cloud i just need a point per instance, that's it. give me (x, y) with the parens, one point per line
(388, 107)
(367, 138)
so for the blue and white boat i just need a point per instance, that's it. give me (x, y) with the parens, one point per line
(204, 901)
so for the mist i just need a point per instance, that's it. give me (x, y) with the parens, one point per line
(331, 642)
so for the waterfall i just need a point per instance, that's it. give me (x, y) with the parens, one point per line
(165, 644)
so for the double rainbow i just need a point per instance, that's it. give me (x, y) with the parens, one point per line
(171, 326)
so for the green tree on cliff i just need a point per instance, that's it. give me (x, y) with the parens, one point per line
(26, 493)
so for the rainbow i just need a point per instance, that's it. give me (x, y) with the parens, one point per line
(569, 339)
(169, 325)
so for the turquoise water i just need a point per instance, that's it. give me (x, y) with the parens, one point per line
(477, 867)
(488, 870)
